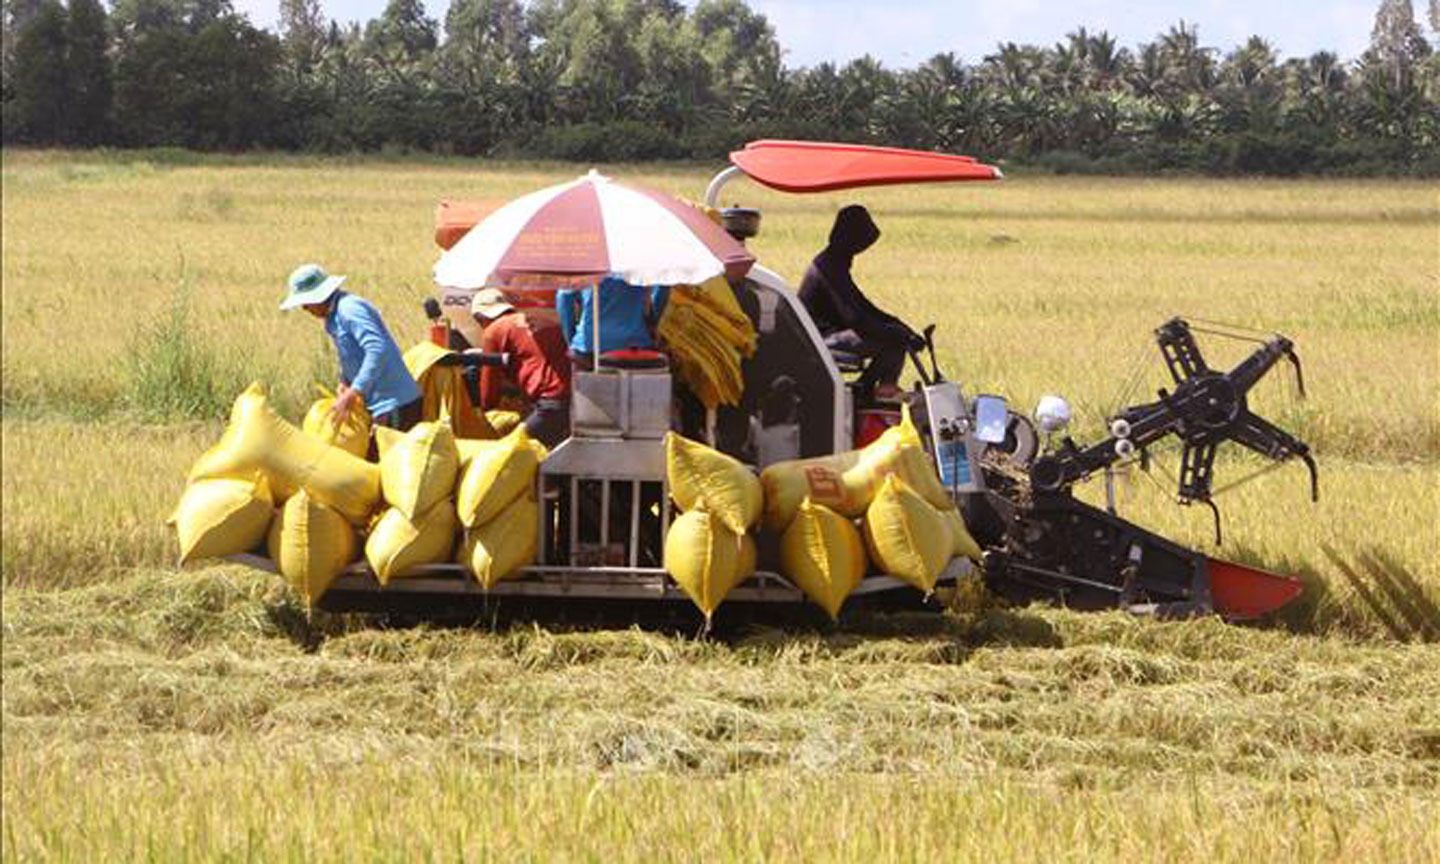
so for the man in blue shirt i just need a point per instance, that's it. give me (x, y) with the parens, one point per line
(628, 314)
(372, 369)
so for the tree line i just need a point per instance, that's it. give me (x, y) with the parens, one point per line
(618, 80)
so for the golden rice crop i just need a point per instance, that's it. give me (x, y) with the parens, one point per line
(204, 715)
(248, 809)
(1037, 284)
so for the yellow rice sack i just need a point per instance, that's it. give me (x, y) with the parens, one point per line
(962, 543)
(907, 537)
(821, 479)
(497, 549)
(823, 554)
(385, 439)
(397, 545)
(471, 447)
(419, 469)
(705, 478)
(706, 558)
(332, 476)
(496, 473)
(847, 482)
(311, 544)
(257, 438)
(900, 455)
(352, 436)
(503, 422)
(237, 455)
(216, 518)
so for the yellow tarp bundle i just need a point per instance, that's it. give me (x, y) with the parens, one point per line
(418, 469)
(497, 549)
(311, 544)
(223, 517)
(703, 477)
(352, 436)
(397, 545)
(706, 558)
(495, 474)
(443, 391)
(848, 482)
(907, 537)
(707, 335)
(823, 554)
(258, 439)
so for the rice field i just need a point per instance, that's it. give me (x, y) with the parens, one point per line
(149, 713)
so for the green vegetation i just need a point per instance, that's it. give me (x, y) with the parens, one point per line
(182, 715)
(171, 375)
(622, 80)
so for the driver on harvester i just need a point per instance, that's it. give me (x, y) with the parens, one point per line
(847, 320)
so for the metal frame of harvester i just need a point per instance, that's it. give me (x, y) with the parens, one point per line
(604, 503)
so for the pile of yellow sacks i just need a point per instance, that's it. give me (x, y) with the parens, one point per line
(706, 335)
(496, 503)
(833, 516)
(709, 550)
(909, 527)
(403, 512)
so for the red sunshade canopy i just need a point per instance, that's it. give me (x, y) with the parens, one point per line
(813, 166)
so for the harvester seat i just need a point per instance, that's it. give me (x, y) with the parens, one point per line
(850, 364)
(629, 359)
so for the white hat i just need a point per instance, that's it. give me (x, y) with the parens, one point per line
(310, 284)
(490, 303)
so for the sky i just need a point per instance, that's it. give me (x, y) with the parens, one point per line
(904, 33)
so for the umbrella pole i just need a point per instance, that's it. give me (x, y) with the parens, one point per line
(595, 318)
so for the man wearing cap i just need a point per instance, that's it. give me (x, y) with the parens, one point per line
(539, 364)
(372, 370)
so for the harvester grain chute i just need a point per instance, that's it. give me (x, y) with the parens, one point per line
(602, 499)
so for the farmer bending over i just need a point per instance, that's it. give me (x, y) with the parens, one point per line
(538, 365)
(371, 368)
(849, 322)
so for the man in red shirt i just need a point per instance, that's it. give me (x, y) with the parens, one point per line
(539, 363)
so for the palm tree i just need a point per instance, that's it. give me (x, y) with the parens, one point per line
(764, 89)
(1189, 65)
(1107, 63)
(864, 83)
(1066, 69)
(1147, 75)
(1249, 93)
(1014, 66)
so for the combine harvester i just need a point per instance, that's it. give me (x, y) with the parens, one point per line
(603, 499)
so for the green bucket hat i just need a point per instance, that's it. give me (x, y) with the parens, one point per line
(309, 283)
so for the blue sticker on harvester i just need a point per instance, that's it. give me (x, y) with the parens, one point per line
(954, 462)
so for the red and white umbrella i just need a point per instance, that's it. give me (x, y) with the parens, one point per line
(594, 227)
